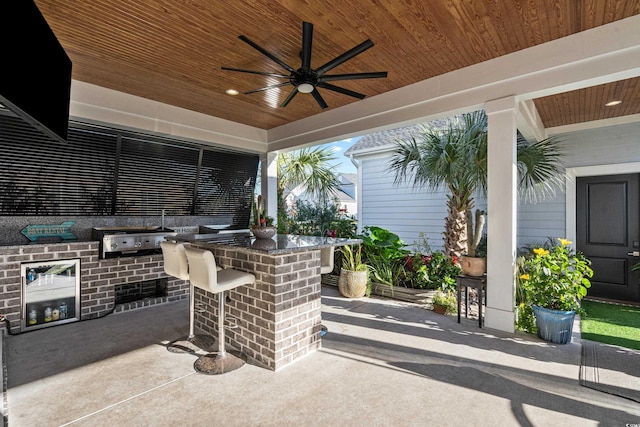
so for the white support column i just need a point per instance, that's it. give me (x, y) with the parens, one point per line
(502, 212)
(269, 177)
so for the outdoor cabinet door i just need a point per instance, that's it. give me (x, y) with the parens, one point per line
(608, 233)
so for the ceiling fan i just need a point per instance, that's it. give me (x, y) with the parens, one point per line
(308, 80)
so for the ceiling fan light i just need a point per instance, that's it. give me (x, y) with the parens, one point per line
(305, 87)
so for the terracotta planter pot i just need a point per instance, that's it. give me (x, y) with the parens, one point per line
(352, 284)
(473, 266)
(440, 309)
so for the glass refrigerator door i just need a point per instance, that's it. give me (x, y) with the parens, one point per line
(50, 293)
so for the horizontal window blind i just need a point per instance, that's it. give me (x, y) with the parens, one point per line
(104, 171)
(153, 176)
(38, 177)
(226, 185)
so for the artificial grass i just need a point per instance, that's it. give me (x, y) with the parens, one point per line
(611, 324)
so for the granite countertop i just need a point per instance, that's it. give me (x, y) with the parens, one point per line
(278, 244)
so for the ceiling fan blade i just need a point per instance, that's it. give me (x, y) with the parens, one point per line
(307, 39)
(341, 90)
(344, 57)
(280, 76)
(267, 88)
(319, 99)
(266, 53)
(336, 77)
(293, 93)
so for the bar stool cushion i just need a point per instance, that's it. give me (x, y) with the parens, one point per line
(326, 260)
(175, 260)
(204, 274)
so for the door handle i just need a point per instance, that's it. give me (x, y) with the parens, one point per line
(634, 253)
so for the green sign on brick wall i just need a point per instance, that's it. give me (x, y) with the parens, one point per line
(41, 231)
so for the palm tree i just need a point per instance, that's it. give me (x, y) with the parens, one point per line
(311, 168)
(456, 157)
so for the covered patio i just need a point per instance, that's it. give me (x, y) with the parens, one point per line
(382, 362)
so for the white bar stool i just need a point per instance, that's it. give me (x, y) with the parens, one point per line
(326, 260)
(204, 274)
(326, 267)
(175, 265)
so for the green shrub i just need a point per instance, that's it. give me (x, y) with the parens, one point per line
(434, 271)
(555, 278)
(384, 252)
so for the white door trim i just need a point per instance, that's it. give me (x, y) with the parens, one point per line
(570, 182)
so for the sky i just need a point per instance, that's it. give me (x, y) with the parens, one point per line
(342, 163)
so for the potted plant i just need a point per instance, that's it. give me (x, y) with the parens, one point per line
(262, 226)
(553, 282)
(474, 262)
(354, 274)
(444, 302)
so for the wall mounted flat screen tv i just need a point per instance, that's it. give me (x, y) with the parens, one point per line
(35, 75)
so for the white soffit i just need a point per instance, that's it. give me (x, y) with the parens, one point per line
(108, 106)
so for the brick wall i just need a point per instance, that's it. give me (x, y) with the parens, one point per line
(273, 322)
(276, 320)
(97, 277)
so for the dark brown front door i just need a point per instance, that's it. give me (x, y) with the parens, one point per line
(608, 233)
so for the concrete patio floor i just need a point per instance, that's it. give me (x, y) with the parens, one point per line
(382, 363)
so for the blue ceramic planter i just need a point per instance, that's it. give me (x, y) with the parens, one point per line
(554, 325)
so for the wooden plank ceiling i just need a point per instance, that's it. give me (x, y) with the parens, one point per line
(172, 51)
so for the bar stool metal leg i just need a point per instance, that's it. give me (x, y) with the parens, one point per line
(220, 362)
(193, 343)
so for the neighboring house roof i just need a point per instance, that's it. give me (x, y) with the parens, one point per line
(299, 193)
(342, 196)
(350, 177)
(387, 138)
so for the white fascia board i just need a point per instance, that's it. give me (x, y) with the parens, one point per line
(529, 122)
(98, 104)
(615, 121)
(600, 55)
(373, 150)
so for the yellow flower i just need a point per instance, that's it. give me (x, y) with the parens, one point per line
(565, 242)
(540, 251)
(525, 276)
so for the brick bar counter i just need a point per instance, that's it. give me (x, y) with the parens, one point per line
(99, 277)
(277, 320)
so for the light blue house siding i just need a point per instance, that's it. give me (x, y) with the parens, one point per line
(613, 145)
(408, 211)
(402, 209)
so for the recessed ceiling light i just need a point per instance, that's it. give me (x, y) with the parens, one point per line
(612, 103)
(232, 92)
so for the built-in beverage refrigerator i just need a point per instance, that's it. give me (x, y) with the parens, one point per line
(50, 293)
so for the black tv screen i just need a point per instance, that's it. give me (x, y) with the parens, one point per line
(35, 75)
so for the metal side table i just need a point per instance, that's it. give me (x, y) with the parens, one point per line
(477, 282)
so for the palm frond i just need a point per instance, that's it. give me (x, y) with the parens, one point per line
(311, 168)
(540, 169)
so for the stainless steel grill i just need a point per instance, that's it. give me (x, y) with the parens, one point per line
(128, 241)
